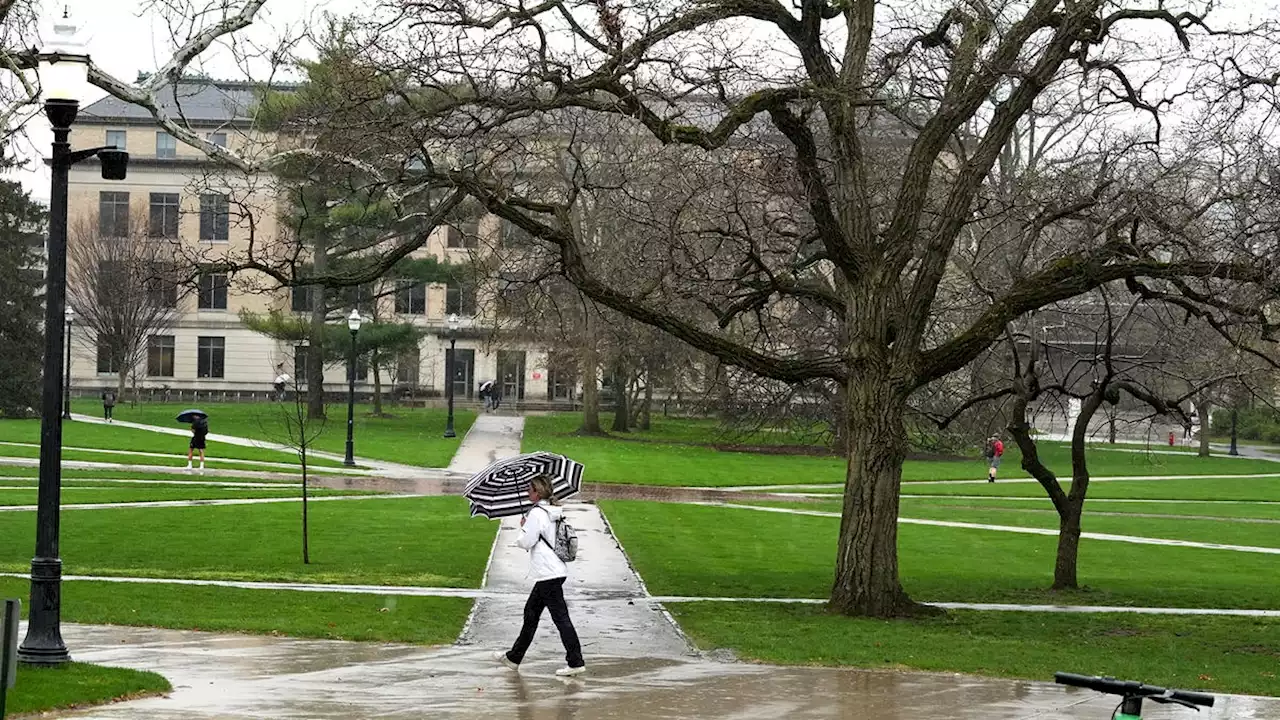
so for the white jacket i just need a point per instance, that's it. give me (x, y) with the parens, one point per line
(541, 522)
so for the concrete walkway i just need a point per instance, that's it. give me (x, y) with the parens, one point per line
(632, 627)
(1134, 539)
(378, 467)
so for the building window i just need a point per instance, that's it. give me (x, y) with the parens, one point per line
(302, 298)
(164, 216)
(411, 299)
(214, 217)
(166, 145)
(160, 354)
(211, 357)
(217, 138)
(460, 298)
(213, 292)
(113, 214)
(162, 291)
(514, 236)
(465, 235)
(116, 139)
(107, 362)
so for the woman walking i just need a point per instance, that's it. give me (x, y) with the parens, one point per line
(199, 430)
(538, 536)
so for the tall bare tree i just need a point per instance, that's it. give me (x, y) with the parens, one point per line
(124, 290)
(868, 137)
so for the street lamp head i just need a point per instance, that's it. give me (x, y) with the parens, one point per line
(70, 313)
(354, 320)
(452, 321)
(64, 72)
(115, 164)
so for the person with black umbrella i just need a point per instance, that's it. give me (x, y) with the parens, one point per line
(199, 421)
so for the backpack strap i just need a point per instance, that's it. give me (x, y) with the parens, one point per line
(543, 537)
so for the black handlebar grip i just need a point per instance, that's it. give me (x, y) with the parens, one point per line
(1084, 681)
(1194, 698)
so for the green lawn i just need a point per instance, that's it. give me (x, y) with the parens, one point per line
(1226, 655)
(142, 493)
(212, 462)
(645, 459)
(336, 616)
(412, 435)
(400, 541)
(727, 552)
(116, 437)
(18, 473)
(73, 685)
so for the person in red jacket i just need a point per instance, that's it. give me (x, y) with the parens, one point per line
(995, 450)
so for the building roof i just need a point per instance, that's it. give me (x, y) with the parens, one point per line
(200, 101)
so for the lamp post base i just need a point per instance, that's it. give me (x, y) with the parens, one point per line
(43, 644)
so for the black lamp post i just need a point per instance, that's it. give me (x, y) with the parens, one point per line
(451, 362)
(63, 74)
(66, 387)
(353, 324)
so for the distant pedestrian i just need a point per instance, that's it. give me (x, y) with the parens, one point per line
(538, 536)
(993, 452)
(282, 381)
(199, 431)
(108, 404)
(488, 395)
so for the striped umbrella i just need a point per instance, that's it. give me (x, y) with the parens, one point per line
(502, 489)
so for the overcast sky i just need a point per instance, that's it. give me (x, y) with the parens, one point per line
(124, 40)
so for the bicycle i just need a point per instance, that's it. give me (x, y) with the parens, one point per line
(1130, 708)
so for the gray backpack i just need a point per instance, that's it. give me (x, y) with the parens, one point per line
(566, 547)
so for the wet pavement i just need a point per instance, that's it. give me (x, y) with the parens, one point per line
(230, 677)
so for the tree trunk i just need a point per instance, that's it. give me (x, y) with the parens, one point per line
(377, 385)
(1064, 568)
(589, 363)
(1111, 426)
(724, 395)
(646, 408)
(1205, 411)
(866, 581)
(621, 416)
(319, 312)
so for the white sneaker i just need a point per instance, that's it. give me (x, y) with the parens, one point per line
(571, 671)
(501, 656)
(188, 467)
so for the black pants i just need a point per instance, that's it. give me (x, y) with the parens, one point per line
(106, 410)
(548, 594)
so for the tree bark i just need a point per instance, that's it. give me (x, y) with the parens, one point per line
(1067, 560)
(589, 363)
(621, 414)
(646, 408)
(866, 581)
(377, 384)
(1205, 411)
(315, 356)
